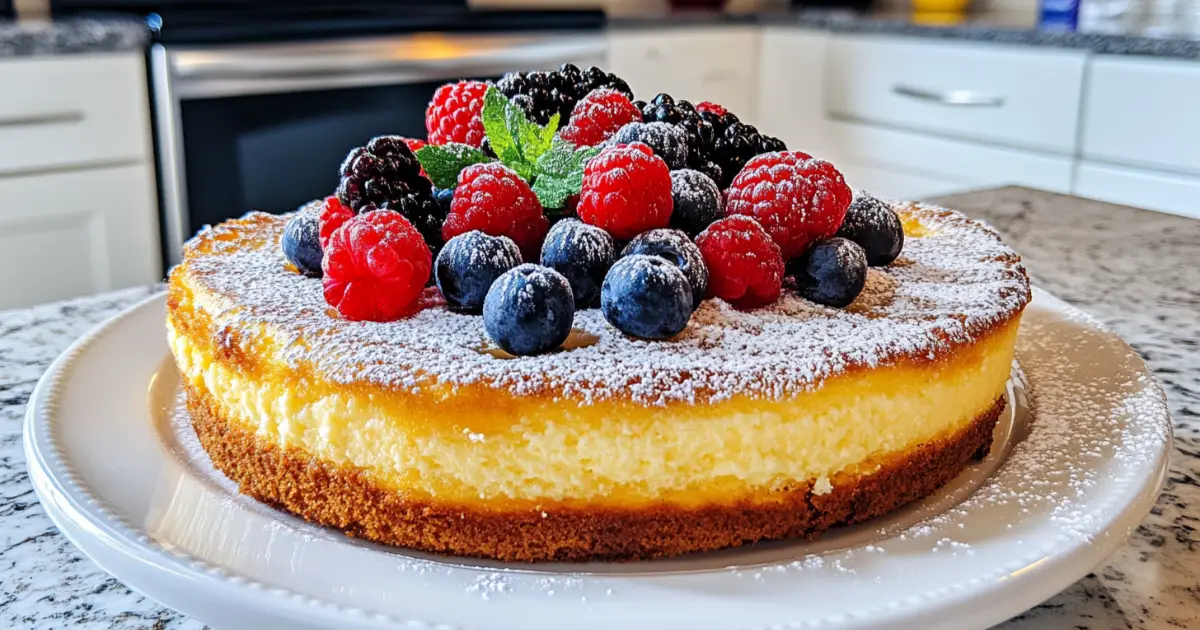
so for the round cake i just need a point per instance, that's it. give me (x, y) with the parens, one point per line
(770, 423)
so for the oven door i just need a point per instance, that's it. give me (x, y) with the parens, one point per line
(265, 127)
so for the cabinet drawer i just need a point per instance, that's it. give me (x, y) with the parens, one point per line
(1164, 192)
(72, 110)
(1144, 113)
(1001, 94)
(966, 164)
(716, 64)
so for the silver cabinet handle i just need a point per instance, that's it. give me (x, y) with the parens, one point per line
(46, 118)
(958, 98)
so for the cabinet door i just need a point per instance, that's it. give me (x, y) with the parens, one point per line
(696, 64)
(1164, 192)
(64, 235)
(791, 80)
(892, 183)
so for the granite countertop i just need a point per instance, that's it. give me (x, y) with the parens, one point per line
(1135, 270)
(61, 37)
(1153, 35)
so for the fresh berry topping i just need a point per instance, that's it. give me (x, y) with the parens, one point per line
(797, 198)
(709, 107)
(454, 113)
(667, 141)
(542, 94)
(735, 143)
(333, 214)
(646, 297)
(443, 197)
(593, 78)
(414, 145)
(468, 265)
(301, 243)
(697, 201)
(875, 227)
(582, 253)
(385, 174)
(701, 137)
(832, 272)
(493, 199)
(675, 247)
(598, 116)
(744, 264)
(375, 267)
(529, 310)
(626, 191)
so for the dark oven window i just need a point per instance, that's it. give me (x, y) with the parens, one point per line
(276, 152)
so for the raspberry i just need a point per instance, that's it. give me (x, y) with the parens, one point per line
(375, 267)
(796, 198)
(493, 199)
(454, 113)
(598, 116)
(334, 213)
(626, 191)
(744, 264)
(711, 107)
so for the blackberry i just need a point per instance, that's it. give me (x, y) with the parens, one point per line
(699, 132)
(736, 143)
(543, 94)
(385, 174)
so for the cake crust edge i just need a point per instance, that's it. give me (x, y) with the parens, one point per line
(348, 499)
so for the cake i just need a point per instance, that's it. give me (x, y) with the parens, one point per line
(707, 403)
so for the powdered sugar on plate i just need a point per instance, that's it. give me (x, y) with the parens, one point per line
(954, 281)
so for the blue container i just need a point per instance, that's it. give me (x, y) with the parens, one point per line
(1059, 15)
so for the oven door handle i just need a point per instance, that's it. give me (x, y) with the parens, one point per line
(204, 73)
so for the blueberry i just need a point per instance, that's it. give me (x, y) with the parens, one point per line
(832, 272)
(443, 197)
(669, 142)
(697, 201)
(675, 247)
(581, 252)
(875, 227)
(302, 243)
(468, 265)
(647, 297)
(529, 310)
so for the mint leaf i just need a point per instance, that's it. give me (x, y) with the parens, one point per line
(495, 125)
(559, 173)
(443, 163)
(515, 139)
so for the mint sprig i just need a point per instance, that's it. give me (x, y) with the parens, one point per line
(515, 139)
(559, 173)
(444, 162)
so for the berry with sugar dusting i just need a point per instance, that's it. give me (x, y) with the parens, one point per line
(493, 199)
(711, 108)
(646, 297)
(832, 272)
(598, 116)
(334, 214)
(875, 227)
(455, 114)
(675, 247)
(386, 174)
(697, 201)
(745, 267)
(468, 265)
(529, 310)
(582, 253)
(376, 266)
(797, 198)
(301, 243)
(668, 142)
(626, 191)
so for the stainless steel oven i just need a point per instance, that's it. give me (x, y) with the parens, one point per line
(264, 126)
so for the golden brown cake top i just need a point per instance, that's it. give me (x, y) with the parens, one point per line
(954, 283)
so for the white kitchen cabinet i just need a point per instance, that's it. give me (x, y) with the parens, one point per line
(1143, 112)
(717, 64)
(904, 164)
(1153, 190)
(791, 98)
(1001, 94)
(69, 234)
(78, 211)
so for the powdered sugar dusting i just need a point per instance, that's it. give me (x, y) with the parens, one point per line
(954, 281)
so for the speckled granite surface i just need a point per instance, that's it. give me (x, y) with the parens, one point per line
(1157, 36)
(70, 36)
(1135, 270)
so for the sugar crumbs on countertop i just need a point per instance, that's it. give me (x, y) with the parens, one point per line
(953, 282)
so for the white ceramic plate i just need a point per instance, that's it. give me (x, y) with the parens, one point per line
(1077, 463)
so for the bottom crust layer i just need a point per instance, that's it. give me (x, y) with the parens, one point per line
(347, 499)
